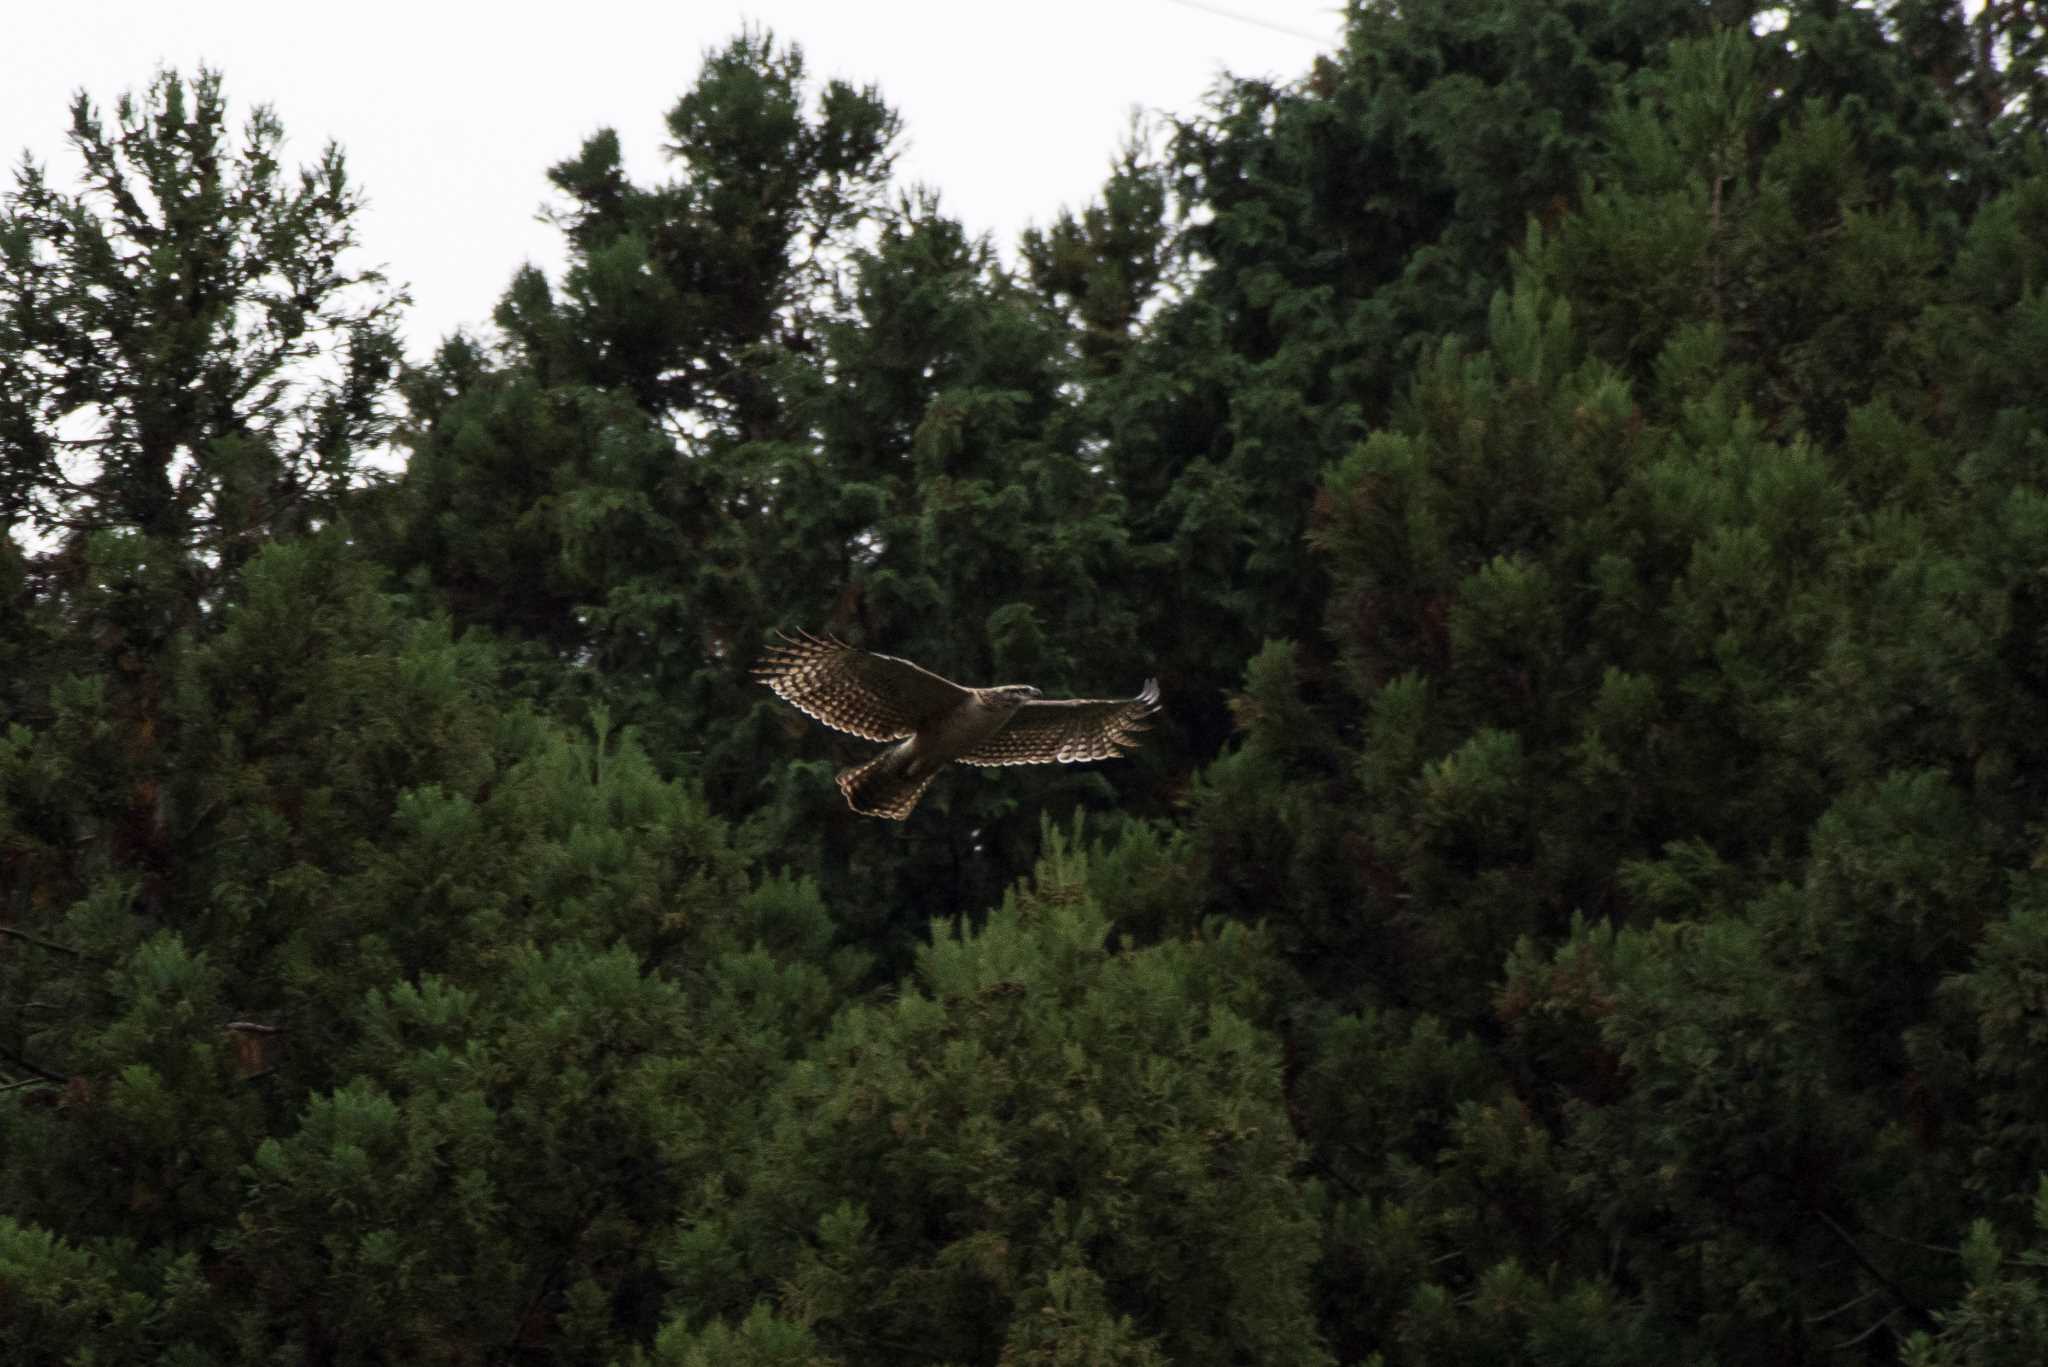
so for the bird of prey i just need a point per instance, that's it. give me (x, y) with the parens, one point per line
(935, 721)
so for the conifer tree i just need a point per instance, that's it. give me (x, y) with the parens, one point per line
(867, 433)
(1045, 1149)
(610, 484)
(186, 353)
(1577, 473)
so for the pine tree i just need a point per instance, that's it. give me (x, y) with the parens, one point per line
(1042, 1146)
(186, 354)
(609, 485)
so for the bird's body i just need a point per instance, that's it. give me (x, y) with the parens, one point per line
(935, 721)
(891, 783)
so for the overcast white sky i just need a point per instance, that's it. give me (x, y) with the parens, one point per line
(451, 112)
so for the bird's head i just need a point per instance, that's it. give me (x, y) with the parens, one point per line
(1012, 695)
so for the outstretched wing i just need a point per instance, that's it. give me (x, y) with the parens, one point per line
(1068, 730)
(877, 697)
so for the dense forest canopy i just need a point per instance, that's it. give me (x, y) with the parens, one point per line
(1578, 471)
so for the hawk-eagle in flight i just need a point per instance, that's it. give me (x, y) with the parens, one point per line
(936, 721)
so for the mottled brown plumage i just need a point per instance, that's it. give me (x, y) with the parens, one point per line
(935, 721)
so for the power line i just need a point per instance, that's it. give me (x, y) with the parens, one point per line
(1320, 39)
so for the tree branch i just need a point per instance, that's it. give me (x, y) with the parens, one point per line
(1920, 1315)
(51, 945)
(26, 1082)
(41, 1074)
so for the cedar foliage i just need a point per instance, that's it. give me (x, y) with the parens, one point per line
(1577, 471)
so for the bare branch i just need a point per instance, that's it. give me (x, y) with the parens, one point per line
(27, 1082)
(50, 945)
(42, 1074)
(1900, 1300)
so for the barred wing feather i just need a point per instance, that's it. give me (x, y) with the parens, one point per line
(1068, 730)
(875, 697)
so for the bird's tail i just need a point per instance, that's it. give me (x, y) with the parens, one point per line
(884, 785)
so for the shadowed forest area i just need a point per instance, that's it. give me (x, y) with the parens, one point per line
(1578, 471)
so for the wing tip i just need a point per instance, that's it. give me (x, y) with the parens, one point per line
(804, 642)
(779, 659)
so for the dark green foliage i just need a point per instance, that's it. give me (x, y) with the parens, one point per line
(348, 812)
(177, 299)
(1101, 267)
(1040, 1147)
(1332, 229)
(2003, 1316)
(766, 398)
(1577, 472)
(610, 485)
